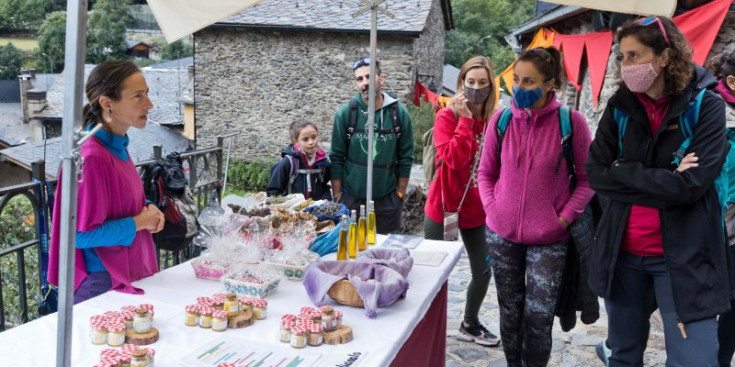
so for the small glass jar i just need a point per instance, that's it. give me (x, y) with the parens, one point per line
(96, 319)
(205, 317)
(128, 317)
(316, 335)
(116, 335)
(260, 309)
(338, 317)
(205, 301)
(316, 316)
(125, 359)
(191, 315)
(286, 326)
(298, 336)
(98, 333)
(219, 320)
(232, 305)
(219, 303)
(306, 310)
(151, 356)
(328, 320)
(142, 321)
(246, 304)
(140, 359)
(111, 315)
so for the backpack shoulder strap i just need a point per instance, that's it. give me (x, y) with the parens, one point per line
(501, 128)
(394, 118)
(293, 171)
(621, 120)
(689, 119)
(354, 110)
(567, 132)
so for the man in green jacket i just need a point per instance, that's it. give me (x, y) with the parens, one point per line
(392, 150)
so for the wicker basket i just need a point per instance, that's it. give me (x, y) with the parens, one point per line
(343, 292)
(257, 290)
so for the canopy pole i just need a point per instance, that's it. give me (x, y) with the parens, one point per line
(76, 20)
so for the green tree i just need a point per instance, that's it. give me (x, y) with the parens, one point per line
(11, 60)
(18, 15)
(481, 27)
(51, 41)
(105, 38)
(176, 50)
(119, 10)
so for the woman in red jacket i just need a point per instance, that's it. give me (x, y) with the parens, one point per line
(458, 134)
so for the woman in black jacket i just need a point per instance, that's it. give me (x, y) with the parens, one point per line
(661, 232)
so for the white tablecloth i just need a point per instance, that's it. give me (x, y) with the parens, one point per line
(34, 343)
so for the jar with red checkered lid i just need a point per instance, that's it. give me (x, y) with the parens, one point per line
(316, 335)
(219, 320)
(116, 334)
(205, 316)
(298, 336)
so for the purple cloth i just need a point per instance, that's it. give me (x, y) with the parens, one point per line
(377, 285)
(111, 189)
(399, 260)
(94, 284)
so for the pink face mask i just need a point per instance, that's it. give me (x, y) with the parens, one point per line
(639, 78)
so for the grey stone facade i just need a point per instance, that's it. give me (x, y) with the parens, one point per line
(256, 81)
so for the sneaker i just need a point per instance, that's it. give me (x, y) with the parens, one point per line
(478, 334)
(603, 352)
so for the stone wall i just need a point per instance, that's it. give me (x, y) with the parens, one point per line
(429, 49)
(257, 82)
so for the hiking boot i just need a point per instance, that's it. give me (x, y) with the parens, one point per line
(478, 334)
(603, 352)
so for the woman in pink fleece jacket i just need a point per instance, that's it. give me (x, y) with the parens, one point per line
(526, 196)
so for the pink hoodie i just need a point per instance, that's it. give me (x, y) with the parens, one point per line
(524, 198)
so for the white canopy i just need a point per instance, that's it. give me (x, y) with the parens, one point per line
(641, 7)
(179, 18)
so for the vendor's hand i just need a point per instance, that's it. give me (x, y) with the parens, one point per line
(147, 220)
(161, 217)
(689, 161)
(563, 222)
(460, 104)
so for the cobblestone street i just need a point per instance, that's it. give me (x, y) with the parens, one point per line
(573, 348)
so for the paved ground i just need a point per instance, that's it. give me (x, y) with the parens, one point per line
(574, 348)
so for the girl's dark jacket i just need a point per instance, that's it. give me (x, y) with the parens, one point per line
(281, 173)
(691, 223)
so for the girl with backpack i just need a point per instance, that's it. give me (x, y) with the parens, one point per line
(114, 246)
(661, 231)
(304, 167)
(457, 138)
(725, 72)
(525, 188)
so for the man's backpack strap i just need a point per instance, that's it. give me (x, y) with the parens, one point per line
(501, 128)
(354, 110)
(621, 119)
(394, 118)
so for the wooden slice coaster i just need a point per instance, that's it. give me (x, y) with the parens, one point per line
(141, 339)
(341, 335)
(243, 319)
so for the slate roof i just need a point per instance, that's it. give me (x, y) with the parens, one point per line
(332, 15)
(449, 78)
(140, 148)
(12, 129)
(173, 64)
(162, 83)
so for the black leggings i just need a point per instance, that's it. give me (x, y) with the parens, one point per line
(527, 278)
(477, 252)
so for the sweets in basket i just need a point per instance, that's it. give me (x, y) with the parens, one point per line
(207, 269)
(252, 280)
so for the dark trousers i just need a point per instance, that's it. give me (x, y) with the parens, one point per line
(528, 278)
(387, 210)
(93, 285)
(726, 330)
(629, 309)
(477, 252)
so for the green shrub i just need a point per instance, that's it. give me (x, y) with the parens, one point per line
(249, 175)
(422, 119)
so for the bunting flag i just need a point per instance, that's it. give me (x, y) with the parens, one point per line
(598, 47)
(428, 96)
(572, 46)
(543, 38)
(701, 25)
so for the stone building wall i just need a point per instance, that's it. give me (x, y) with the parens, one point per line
(257, 82)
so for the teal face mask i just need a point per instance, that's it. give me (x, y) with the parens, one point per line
(525, 98)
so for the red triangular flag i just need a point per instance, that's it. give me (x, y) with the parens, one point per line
(701, 25)
(572, 47)
(598, 52)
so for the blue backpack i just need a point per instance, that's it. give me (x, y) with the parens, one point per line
(687, 125)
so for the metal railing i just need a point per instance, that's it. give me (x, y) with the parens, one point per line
(204, 168)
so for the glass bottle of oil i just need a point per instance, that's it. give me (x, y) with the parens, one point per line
(342, 244)
(371, 223)
(352, 239)
(361, 230)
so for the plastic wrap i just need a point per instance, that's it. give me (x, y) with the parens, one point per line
(254, 280)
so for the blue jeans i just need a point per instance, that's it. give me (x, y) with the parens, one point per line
(629, 309)
(93, 285)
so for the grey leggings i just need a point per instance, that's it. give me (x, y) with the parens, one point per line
(477, 252)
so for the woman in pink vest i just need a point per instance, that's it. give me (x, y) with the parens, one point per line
(114, 246)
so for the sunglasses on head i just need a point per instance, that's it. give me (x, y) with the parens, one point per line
(652, 20)
(540, 52)
(364, 61)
